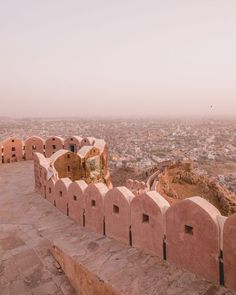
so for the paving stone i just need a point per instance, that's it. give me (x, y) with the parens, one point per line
(26, 264)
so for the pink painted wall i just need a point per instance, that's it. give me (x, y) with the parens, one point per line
(36, 159)
(94, 206)
(229, 248)
(192, 236)
(50, 191)
(76, 200)
(147, 222)
(33, 144)
(52, 145)
(73, 140)
(87, 141)
(12, 150)
(43, 172)
(194, 230)
(61, 194)
(117, 213)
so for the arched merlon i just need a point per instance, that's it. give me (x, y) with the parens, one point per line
(43, 176)
(33, 144)
(73, 143)
(50, 190)
(38, 159)
(12, 150)
(193, 238)
(94, 206)
(53, 144)
(117, 213)
(87, 141)
(229, 249)
(147, 222)
(76, 200)
(61, 194)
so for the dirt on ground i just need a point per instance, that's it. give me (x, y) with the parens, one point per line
(181, 180)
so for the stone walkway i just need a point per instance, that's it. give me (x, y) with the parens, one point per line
(26, 264)
(29, 225)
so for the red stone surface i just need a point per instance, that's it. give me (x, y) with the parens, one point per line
(73, 140)
(117, 214)
(94, 206)
(229, 248)
(56, 141)
(33, 144)
(193, 239)
(76, 200)
(12, 150)
(61, 194)
(50, 191)
(147, 222)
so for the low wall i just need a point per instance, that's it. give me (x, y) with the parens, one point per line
(97, 265)
(191, 234)
(83, 280)
(15, 150)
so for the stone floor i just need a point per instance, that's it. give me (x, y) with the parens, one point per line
(29, 226)
(26, 264)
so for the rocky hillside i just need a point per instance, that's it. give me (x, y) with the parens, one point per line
(179, 180)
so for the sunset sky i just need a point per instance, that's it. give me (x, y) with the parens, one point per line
(105, 58)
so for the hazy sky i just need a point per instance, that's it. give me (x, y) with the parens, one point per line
(117, 57)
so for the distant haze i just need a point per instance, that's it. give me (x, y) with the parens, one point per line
(117, 58)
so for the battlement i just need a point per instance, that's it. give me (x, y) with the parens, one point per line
(74, 157)
(14, 149)
(192, 233)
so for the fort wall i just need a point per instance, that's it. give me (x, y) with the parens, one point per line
(191, 234)
(14, 149)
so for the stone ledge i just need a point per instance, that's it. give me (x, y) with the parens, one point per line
(98, 265)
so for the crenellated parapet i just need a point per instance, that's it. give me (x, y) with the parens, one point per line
(14, 149)
(89, 164)
(191, 234)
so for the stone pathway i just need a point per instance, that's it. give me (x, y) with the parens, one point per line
(26, 264)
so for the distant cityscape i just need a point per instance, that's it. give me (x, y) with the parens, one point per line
(140, 145)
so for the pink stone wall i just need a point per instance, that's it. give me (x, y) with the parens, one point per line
(117, 214)
(229, 249)
(147, 222)
(94, 206)
(76, 200)
(43, 172)
(12, 150)
(61, 194)
(50, 190)
(87, 141)
(73, 142)
(192, 236)
(33, 144)
(36, 159)
(52, 145)
(193, 230)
